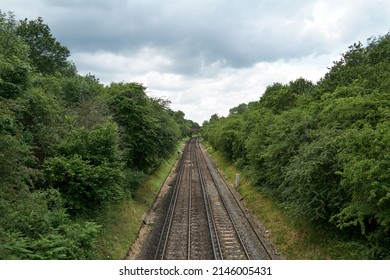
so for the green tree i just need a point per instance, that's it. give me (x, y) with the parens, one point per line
(150, 134)
(322, 150)
(88, 170)
(279, 97)
(35, 226)
(14, 62)
(240, 109)
(365, 156)
(46, 53)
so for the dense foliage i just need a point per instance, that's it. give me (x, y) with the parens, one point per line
(322, 150)
(68, 145)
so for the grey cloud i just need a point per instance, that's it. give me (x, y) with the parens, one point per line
(193, 34)
(210, 55)
(237, 34)
(82, 4)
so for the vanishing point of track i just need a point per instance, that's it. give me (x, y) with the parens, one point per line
(205, 219)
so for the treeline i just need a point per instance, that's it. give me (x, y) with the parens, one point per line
(322, 150)
(68, 145)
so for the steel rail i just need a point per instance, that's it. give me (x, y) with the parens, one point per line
(171, 210)
(189, 212)
(242, 210)
(225, 206)
(217, 251)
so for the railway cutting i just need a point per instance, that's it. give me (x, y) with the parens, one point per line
(197, 216)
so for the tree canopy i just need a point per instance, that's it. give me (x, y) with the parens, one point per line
(68, 145)
(322, 150)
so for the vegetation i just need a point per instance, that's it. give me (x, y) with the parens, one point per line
(322, 150)
(293, 238)
(73, 151)
(70, 147)
(122, 220)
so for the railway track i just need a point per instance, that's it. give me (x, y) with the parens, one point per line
(204, 219)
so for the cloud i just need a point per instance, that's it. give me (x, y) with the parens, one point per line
(207, 56)
(236, 33)
(201, 97)
(198, 33)
(83, 4)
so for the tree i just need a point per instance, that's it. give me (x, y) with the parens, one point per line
(149, 133)
(279, 97)
(87, 169)
(239, 109)
(46, 53)
(14, 62)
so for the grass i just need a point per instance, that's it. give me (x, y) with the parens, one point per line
(293, 238)
(121, 222)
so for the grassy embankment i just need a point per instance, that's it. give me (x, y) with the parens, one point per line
(294, 239)
(121, 222)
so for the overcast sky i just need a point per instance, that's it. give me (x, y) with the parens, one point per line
(206, 56)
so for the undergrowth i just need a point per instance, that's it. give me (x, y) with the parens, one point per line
(121, 221)
(294, 238)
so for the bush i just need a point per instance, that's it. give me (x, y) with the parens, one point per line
(87, 171)
(36, 226)
(323, 150)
